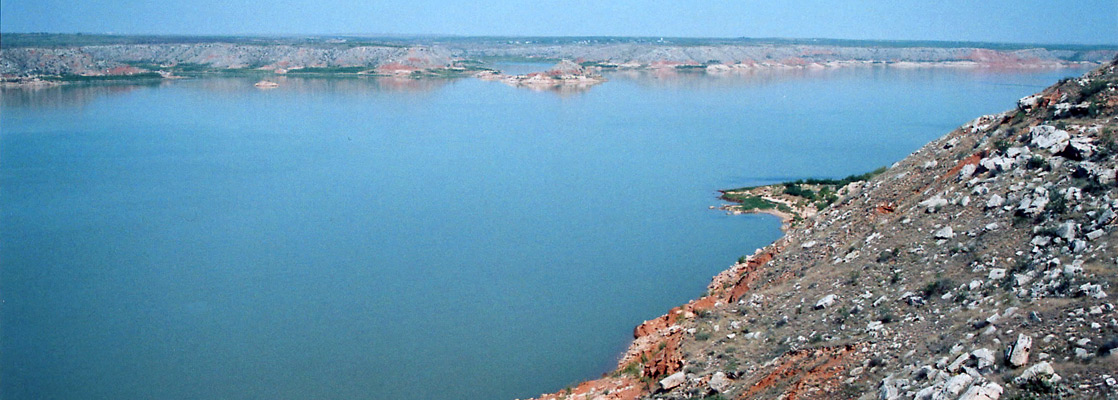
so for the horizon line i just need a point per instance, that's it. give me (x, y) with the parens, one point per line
(507, 36)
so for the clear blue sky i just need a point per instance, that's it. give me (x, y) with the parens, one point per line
(1049, 21)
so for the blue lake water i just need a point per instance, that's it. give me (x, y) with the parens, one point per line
(353, 238)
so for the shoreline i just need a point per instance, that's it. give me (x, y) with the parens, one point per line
(785, 218)
(535, 81)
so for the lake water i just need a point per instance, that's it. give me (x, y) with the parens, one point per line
(353, 238)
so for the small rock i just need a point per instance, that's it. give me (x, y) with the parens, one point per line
(996, 273)
(988, 391)
(933, 203)
(1106, 217)
(1066, 230)
(1042, 371)
(956, 365)
(1082, 353)
(956, 384)
(967, 171)
(673, 380)
(825, 302)
(1073, 269)
(719, 383)
(874, 326)
(945, 233)
(1078, 149)
(985, 358)
(1019, 353)
(1049, 138)
(1092, 290)
(995, 201)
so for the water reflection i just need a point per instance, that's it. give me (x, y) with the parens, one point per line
(64, 96)
(692, 79)
(330, 84)
(78, 95)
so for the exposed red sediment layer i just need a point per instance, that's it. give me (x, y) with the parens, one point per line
(820, 369)
(972, 159)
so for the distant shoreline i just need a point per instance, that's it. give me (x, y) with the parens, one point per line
(39, 60)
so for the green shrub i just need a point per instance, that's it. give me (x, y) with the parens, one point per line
(1091, 89)
(793, 189)
(1037, 162)
(937, 287)
(1057, 204)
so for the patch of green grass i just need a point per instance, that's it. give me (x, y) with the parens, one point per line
(1001, 145)
(750, 202)
(632, 369)
(1092, 88)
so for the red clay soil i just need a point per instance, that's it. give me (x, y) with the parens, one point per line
(807, 374)
(972, 159)
(750, 273)
(610, 388)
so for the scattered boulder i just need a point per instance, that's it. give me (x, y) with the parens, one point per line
(825, 302)
(984, 358)
(933, 204)
(1078, 149)
(1049, 138)
(1041, 371)
(956, 385)
(988, 391)
(719, 382)
(1028, 102)
(673, 381)
(995, 201)
(1066, 230)
(1019, 352)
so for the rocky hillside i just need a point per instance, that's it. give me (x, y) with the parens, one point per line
(982, 266)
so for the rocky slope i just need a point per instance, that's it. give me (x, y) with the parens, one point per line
(982, 266)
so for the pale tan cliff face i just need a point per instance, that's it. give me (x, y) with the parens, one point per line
(981, 266)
